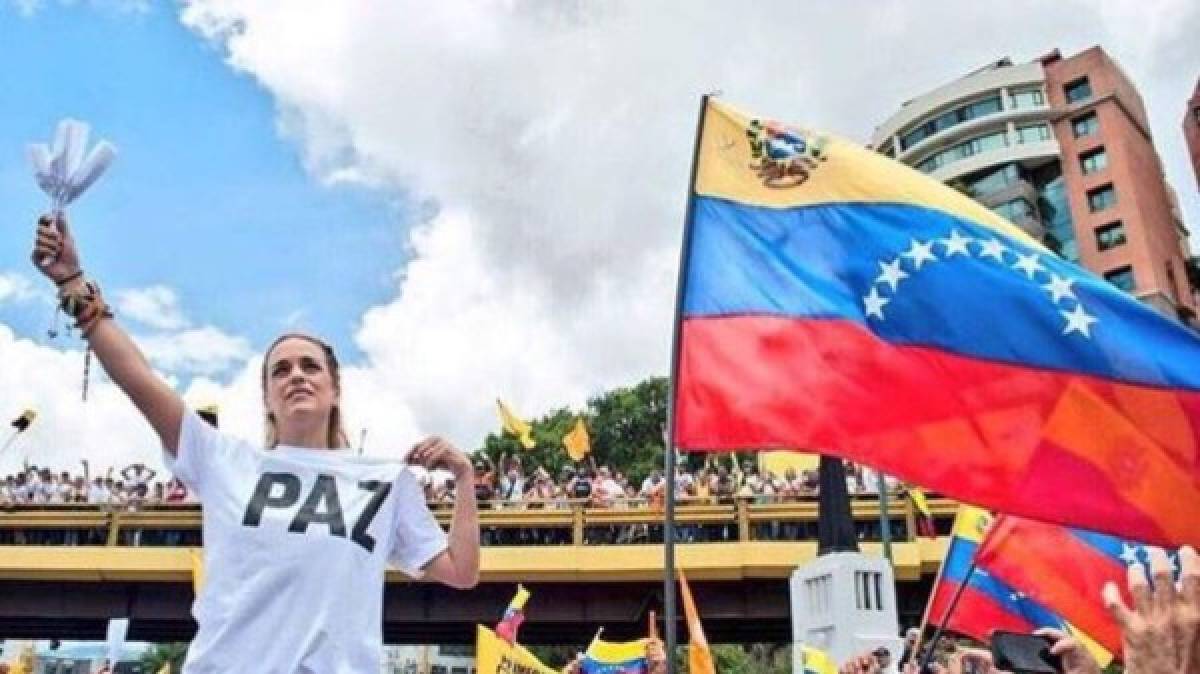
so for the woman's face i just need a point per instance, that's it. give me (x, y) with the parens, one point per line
(299, 384)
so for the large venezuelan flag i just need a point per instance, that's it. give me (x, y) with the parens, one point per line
(1063, 568)
(987, 603)
(834, 299)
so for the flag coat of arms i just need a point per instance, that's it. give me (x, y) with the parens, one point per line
(831, 298)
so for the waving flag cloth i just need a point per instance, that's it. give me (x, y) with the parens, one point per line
(494, 655)
(515, 425)
(832, 298)
(1063, 568)
(514, 615)
(613, 657)
(986, 603)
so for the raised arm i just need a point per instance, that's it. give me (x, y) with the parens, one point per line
(458, 565)
(121, 358)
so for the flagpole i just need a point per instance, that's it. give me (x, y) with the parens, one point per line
(9, 441)
(937, 634)
(885, 519)
(669, 470)
(916, 652)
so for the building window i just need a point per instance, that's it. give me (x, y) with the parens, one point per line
(1110, 235)
(950, 118)
(1121, 277)
(1014, 210)
(991, 180)
(1031, 98)
(974, 146)
(1093, 161)
(1086, 125)
(1102, 198)
(1034, 133)
(1077, 90)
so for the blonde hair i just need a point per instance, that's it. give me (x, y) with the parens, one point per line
(335, 435)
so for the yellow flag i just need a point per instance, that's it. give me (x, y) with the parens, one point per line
(577, 442)
(919, 501)
(817, 661)
(494, 655)
(166, 668)
(197, 570)
(25, 420)
(780, 460)
(515, 426)
(700, 659)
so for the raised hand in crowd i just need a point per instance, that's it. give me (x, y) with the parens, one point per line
(861, 664)
(1160, 634)
(656, 657)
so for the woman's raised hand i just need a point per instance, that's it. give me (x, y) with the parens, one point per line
(54, 243)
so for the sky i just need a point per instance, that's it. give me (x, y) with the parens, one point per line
(470, 200)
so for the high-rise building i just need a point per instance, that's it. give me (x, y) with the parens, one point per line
(1191, 131)
(1061, 147)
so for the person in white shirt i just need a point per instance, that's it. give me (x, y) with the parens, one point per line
(137, 475)
(298, 532)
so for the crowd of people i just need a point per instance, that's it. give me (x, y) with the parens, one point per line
(510, 485)
(131, 487)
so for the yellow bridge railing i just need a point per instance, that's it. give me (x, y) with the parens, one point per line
(572, 521)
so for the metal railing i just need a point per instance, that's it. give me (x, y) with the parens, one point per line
(528, 522)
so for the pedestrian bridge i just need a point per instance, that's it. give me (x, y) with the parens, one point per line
(579, 579)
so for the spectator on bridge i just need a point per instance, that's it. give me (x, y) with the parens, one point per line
(137, 474)
(484, 481)
(512, 484)
(176, 491)
(280, 558)
(579, 489)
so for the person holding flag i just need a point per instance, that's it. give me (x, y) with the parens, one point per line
(298, 531)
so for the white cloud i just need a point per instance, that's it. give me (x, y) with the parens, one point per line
(205, 350)
(155, 306)
(16, 287)
(557, 139)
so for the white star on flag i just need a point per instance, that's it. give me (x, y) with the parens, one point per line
(956, 244)
(920, 253)
(1029, 264)
(992, 248)
(1129, 554)
(874, 303)
(1079, 321)
(891, 273)
(1059, 287)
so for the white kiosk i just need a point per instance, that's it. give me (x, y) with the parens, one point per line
(844, 603)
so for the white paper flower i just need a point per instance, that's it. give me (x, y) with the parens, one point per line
(61, 169)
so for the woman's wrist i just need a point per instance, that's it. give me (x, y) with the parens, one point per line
(68, 278)
(73, 284)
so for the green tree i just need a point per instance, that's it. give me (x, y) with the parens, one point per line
(153, 659)
(743, 659)
(625, 425)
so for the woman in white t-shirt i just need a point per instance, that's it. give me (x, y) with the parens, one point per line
(297, 534)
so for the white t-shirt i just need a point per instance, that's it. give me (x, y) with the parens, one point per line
(296, 542)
